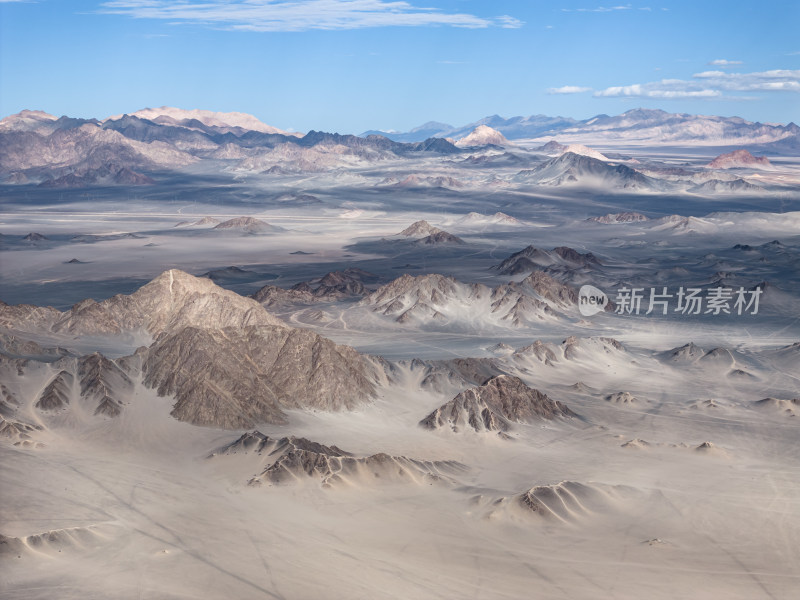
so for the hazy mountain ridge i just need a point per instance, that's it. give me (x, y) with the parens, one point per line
(136, 149)
(65, 152)
(636, 124)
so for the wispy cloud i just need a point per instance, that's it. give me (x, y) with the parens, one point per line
(777, 80)
(709, 84)
(607, 9)
(721, 62)
(300, 15)
(568, 89)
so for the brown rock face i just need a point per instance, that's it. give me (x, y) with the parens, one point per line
(494, 406)
(236, 377)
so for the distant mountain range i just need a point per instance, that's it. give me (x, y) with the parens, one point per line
(135, 150)
(36, 147)
(637, 125)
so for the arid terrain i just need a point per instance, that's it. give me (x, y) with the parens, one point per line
(242, 362)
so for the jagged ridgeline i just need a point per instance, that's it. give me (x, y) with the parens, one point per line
(225, 359)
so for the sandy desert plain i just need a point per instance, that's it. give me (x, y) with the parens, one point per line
(339, 368)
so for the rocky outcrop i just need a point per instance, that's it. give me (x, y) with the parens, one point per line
(247, 225)
(419, 229)
(332, 286)
(739, 159)
(495, 406)
(296, 460)
(56, 395)
(621, 217)
(443, 299)
(237, 376)
(533, 258)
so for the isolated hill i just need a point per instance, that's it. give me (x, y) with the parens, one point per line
(688, 353)
(202, 222)
(294, 460)
(419, 229)
(331, 286)
(553, 148)
(428, 235)
(623, 217)
(621, 398)
(576, 169)
(483, 135)
(439, 238)
(567, 502)
(789, 408)
(247, 225)
(738, 159)
(494, 406)
(231, 274)
(532, 258)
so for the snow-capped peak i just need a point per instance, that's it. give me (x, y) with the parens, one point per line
(483, 135)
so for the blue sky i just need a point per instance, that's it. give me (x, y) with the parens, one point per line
(352, 65)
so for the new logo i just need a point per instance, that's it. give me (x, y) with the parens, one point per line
(591, 300)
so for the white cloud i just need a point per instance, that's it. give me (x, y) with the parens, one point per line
(655, 90)
(721, 62)
(709, 84)
(300, 15)
(568, 89)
